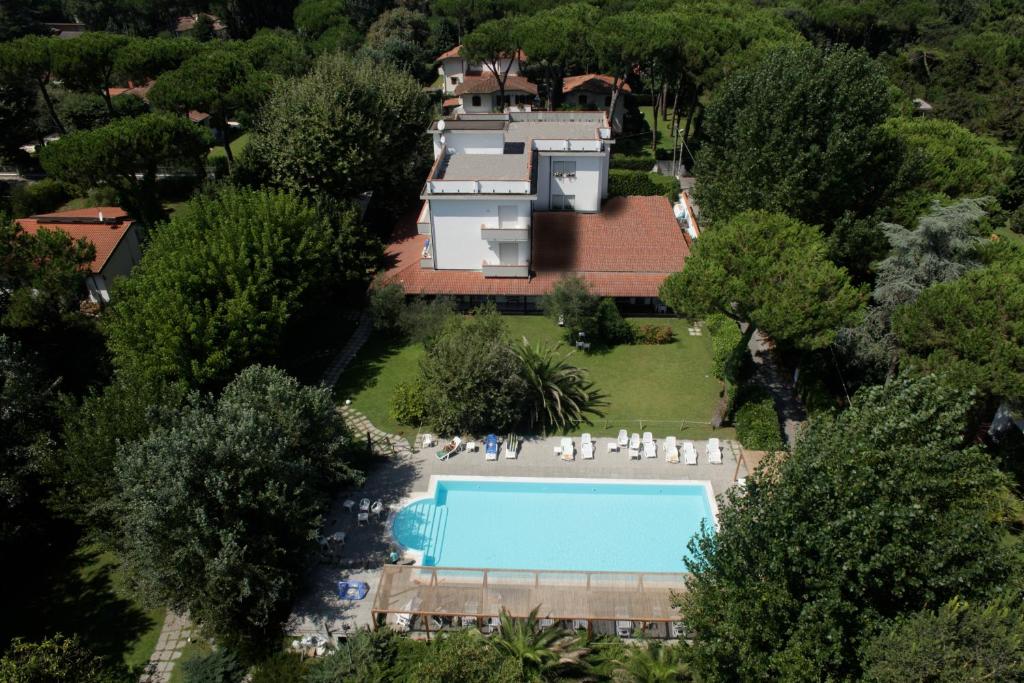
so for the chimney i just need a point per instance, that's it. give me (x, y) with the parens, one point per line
(100, 216)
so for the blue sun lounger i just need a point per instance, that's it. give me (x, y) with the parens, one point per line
(353, 590)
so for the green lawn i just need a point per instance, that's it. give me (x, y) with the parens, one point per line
(194, 650)
(237, 145)
(667, 389)
(640, 144)
(1009, 235)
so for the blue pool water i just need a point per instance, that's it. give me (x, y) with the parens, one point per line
(549, 524)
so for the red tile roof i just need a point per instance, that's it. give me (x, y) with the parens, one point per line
(457, 52)
(197, 116)
(187, 23)
(85, 223)
(600, 83)
(451, 102)
(627, 250)
(488, 83)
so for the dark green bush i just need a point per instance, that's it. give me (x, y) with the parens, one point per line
(653, 334)
(281, 667)
(612, 328)
(421, 320)
(1016, 220)
(44, 196)
(407, 404)
(386, 304)
(757, 423)
(219, 666)
(624, 183)
(632, 163)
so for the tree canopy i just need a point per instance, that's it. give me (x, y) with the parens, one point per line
(771, 271)
(881, 510)
(799, 131)
(219, 285)
(220, 509)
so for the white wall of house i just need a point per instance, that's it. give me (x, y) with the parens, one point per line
(602, 101)
(587, 187)
(457, 242)
(453, 71)
(470, 141)
(485, 103)
(125, 256)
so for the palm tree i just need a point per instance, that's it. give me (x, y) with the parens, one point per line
(541, 651)
(560, 395)
(653, 663)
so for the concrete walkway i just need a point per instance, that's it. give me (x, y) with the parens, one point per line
(175, 634)
(768, 374)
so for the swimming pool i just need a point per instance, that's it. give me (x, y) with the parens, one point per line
(571, 524)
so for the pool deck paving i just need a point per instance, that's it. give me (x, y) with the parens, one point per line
(406, 469)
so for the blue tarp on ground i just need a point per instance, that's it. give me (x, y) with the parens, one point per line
(353, 590)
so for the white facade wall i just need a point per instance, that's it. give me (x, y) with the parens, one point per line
(588, 187)
(470, 141)
(126, 255)
(455, 68)
(456, 224)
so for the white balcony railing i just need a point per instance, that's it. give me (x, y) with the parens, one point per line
(478, 187)
(514, 233)
(568, 145)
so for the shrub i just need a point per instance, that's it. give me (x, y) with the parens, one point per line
(217, 667)
(632, 163)
(386, 305)
(407, 404)
(571, 301)
(653, 334)
(623, 183)
(728, 354)
(43, 196)
(421, 320)
(757, 423)
(612, 328)
(1016, 220)
(558, 395)
(281, 667)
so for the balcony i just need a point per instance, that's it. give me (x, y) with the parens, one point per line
(505, 270)
(506, 234)
(423, 220)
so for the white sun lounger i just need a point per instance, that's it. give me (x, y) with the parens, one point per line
(568, 451)
(650, 448)
(403, 620)
(714, 452)
(624, 629)
(586, 447)
(634, 446)
(689, 453)
(671, 450)
(623, 438)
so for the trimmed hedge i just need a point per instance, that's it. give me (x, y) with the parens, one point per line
(624, 183)
(728, 351)
(632, 163)
(757, 423)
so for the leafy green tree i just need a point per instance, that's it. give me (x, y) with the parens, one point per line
(542, 652)
(20, 18)
(220, 666)
(570, 303)
(960, 642)
(55, 660)
(31, 58)
(799, 132)
(327, 26)
(472, 377)
(558, 396)
(220, 509)
(770, 271)
(879, 511)
(245, 17)
(87, 63)
(117, 154)
(941, 247)
(494, 44)
(421, 320)
(143, 60)
(399, 36)
(278, 52)
(347, 127)
(620, 41)
(654, 662)
(364, 656)
(18, 115)
(464, 656)
(971, 328)
(84, 111)
(253, 259)
(42, 276)
(215, 82)
(557, 39)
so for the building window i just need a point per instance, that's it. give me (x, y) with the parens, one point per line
(563, 169)
(563, 202)
(476, 100)
(607, 100)
(582, 99)
(455, 80)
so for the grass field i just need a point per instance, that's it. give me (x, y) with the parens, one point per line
(665, 389)
(237, 145)
(640, 144)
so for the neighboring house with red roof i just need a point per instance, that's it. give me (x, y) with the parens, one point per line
(109, 229)
(454, 68)
(516, 200)
(482, 95)
(184, 25)
(594, 91)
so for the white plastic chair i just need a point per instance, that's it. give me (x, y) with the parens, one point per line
(714, 452)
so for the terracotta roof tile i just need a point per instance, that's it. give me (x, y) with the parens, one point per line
(600, 83)
(627, 250)
(457, 52)
(104, 236)
(488, 83)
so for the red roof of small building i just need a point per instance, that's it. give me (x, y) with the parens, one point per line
(599, 83)
(451, 102)
(86, 223)
(473, 85)
(457, 52)
(187, 23)
(197, 116)
(626, 250)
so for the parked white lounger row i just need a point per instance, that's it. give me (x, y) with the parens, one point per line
(645, 445)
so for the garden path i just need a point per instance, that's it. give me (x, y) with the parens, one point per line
(768, 373)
